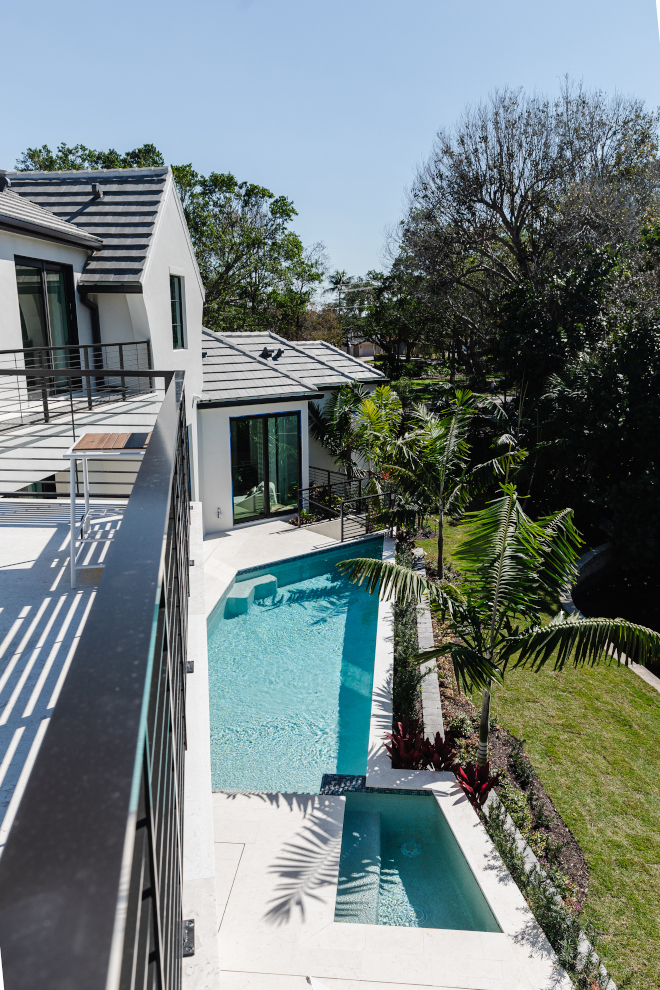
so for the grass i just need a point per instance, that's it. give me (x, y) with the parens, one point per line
(453, 534)
(592, 736)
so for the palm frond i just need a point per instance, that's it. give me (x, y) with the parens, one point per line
(585, 640)
(471, 669)
(502, 555)
(390, 580)
(559, 551)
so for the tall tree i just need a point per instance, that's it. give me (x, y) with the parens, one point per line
(78, 157)
(256, 270)
(517, 190)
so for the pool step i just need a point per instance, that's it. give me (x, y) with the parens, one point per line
(244, 593)
(359, 870)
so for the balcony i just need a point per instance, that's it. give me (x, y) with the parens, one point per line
(92, 727)
(45, 405)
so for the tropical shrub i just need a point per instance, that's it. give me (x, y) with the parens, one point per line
(409, 750)
(521, 768)
(477, 782)
(460, 726)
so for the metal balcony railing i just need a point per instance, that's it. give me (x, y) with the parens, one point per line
(359, 505)
(46, 393)
(90, 879)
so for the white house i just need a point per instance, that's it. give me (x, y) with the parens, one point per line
(101, 257)
(105, 258)
(253, 421)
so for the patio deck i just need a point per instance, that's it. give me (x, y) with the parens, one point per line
(41, 620)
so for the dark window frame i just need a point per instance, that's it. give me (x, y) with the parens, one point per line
(178, 344)
(267, 514)
(69, 290)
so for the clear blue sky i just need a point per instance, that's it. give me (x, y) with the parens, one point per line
(330, 103)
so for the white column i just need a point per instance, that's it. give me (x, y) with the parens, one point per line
(72, 485)
(86, 486)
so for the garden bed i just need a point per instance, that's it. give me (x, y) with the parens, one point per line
(543, 826)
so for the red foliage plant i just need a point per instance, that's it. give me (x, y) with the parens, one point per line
(477, 782)
(410, 751)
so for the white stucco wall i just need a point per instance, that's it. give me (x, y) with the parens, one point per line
(171, 253)
(215, 457)
(33, 247)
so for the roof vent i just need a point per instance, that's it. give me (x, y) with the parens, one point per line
(97, 191)
(266, 353)
(278, 353)
(204, 353)
(5, 181)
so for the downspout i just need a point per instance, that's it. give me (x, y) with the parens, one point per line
(94, 312)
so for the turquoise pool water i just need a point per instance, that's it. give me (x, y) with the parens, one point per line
(401, 865)
(291, 679)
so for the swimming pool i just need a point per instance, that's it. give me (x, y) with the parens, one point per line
(401, 865)
(291, 674)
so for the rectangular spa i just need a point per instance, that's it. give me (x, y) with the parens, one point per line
(291, 660)
(401, 865)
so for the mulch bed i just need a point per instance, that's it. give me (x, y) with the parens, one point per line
(502, 743)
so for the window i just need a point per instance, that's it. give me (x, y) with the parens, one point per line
(265, 465)
(176, 300)
(46, 305)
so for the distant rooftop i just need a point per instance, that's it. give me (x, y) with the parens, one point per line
(121, 211)
(240, 368)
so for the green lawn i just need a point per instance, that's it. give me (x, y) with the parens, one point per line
(593, 737)
(453, 534)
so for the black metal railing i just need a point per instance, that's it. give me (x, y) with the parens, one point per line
(324, 476)
(47, 393)
(353, 504)
(90, 879)
(323, 498)
(365, 514)
(31, 461)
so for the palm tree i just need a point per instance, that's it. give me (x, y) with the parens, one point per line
(512, 565)
(438, 452)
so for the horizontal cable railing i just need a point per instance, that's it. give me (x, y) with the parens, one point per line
(323, 498)
(91, 875)
(358, 506)
(47, 392)
(324, 476)
(31, 454)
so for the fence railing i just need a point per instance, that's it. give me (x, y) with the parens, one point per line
(47, 392)
(90, 879)
(349, 503)
(324, 476)
(31, 462)
(364, 514)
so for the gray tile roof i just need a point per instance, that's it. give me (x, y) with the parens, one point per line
(124, 218)
(293, 360)
(233, 376)
(235, 370)
(355, 369)
(20, 214)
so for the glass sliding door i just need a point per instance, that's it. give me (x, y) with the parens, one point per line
(265, 465)
(32, 306)
(247, 468)
(47, 309)
(283, 462)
